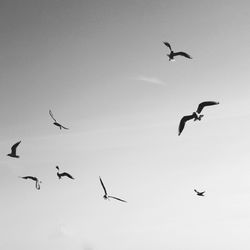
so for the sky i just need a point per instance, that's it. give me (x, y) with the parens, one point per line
(101, 67)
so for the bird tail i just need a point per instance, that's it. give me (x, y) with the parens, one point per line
(200, 116)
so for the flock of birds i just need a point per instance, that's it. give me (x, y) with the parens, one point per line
(194, 116)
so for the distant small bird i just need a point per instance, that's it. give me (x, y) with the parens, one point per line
(199, 193)
(60, 175)
(106, 196)
(173, 54)
(33, 179)
(13, 150)
(196, 115)
(55, 122)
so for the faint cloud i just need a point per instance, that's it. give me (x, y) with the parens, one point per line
(152, 80)
(87, 247)
(63, 231)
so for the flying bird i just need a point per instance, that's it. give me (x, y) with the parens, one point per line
(196, 115)
(60, 175)
(13, 150)
(106, 196)
(33, 179)
(199, 193)
(55, 122)
(173, 54)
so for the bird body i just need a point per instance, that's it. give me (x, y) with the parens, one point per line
(59, 125)
(199, 193)
(13, 150)
(173, 54)
(106, 196)
(60, 175)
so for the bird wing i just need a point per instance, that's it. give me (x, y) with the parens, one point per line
(50, 113)
(24, 177)
(168, 45)
(182, 54)
(29, 177)
(202, 192)
(103, 186)
(117, 198)
(64, 127)
(68, 175)
(37, 185)
(13, 148)
(183, 121)
(196, 191)
(204, 104)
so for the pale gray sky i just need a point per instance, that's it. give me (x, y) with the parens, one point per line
(102, 68)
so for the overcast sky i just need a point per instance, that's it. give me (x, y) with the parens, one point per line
(101, 67)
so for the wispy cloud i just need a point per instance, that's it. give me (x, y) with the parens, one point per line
(152, 80)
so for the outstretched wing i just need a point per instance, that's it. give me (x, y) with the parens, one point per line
(103, 186)
(204, 104)
(196, 191)
(117, 198)
(13, 148)
(64, 127)
(24, 177)
(68, 175)
(182, 54)
(168, 45)
(29, 177)
(183, 121)
(50, 113)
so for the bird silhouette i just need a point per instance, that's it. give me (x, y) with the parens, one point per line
(199, 193)
(196, 115)
(13, 150)
(33, 179)
(55, 122)
(106, 196)
(173, 54)
(60, 175)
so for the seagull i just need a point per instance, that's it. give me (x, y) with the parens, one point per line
(60, 175)
(13, 150)
(199, 193)
(33, 179)
(173, 54)
(196, 115)
(55, 122)
(106, 196)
